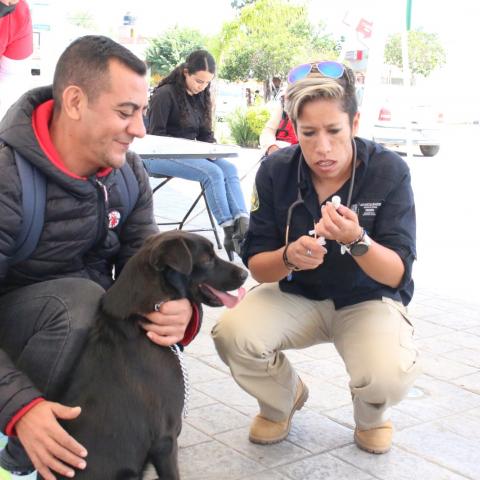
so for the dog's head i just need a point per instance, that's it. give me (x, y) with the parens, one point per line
(174, 265)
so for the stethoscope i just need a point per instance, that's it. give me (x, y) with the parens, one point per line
(300, 201)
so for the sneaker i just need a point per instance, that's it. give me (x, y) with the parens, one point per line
(8, 463)
(375, 440)
(266, 432)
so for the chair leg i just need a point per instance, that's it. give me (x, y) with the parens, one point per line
(212, 221)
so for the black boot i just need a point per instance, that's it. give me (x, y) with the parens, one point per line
(228, 241)
(239, 231)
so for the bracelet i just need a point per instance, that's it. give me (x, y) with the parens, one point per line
(290, 266)
(348, 245)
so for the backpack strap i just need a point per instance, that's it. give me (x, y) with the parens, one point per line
(129, 191)
(34, 194)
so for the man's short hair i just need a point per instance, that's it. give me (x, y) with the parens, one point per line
(85, 63)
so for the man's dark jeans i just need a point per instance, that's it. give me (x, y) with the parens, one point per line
(43, 328)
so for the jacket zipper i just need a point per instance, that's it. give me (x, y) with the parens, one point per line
(103, 209)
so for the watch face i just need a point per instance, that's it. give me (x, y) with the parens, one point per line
(359, 249)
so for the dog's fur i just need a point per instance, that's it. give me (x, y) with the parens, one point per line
(131, 391)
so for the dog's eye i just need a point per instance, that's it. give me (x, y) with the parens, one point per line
(206, 261)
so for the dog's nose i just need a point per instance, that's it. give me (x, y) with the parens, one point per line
(243, 274)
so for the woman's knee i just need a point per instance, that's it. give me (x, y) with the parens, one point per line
(233, 338)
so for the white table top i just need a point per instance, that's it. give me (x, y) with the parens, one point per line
(155, 146)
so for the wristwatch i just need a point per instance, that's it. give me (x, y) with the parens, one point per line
(359, 246)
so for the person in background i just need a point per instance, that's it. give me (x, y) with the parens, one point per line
(16, 45)
(181, 106)
(278, 131)
(331, 269)
(77, 134)
(276, 87)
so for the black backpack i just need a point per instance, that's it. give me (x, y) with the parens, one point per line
(34, 193)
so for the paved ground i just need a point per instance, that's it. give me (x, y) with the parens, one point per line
(436, 426)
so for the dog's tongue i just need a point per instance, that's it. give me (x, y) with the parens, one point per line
(226, 298)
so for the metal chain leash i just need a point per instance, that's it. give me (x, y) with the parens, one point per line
(186, 383)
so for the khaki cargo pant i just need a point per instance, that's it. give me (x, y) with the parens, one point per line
(374, 339)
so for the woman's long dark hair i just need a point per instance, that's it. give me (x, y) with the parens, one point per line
(197, 61)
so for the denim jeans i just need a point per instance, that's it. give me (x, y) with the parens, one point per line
(219, 178)
(43, 328)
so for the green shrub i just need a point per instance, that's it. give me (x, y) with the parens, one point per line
(246, 125)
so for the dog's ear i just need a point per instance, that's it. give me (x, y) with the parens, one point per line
(173, 253)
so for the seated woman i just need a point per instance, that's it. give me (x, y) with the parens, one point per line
(181, 107)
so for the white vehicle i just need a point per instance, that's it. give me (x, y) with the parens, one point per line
(396, 112)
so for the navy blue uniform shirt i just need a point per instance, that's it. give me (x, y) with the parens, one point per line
(382, 198)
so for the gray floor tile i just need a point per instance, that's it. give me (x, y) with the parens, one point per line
(344, 416)
(324, 395)
(216, 418)
(269, 475)
(324, 350)
(324, 467)
(424, 329)
(322, 368)
(469, 382)
(395, 465)
(317, 433)
(436, 443)
(466, 424)
(462, 339)
(434, 345)
(191, 436)
(440, 399)
(226, 391)
(468, 356)
(199, 399)
(267, 455)
(215, 461)
(440, 367)
(200, 372)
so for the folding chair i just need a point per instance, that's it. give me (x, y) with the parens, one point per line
(165, 179)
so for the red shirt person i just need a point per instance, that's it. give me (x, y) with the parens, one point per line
(16, 45)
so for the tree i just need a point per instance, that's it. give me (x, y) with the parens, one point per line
(268, 38)
(172, 48)
(83, 19)
(239, 4)
(425, 52)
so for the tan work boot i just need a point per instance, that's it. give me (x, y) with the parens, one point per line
(375, 440)
(266, 432)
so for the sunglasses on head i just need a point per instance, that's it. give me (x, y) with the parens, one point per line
(328, 69)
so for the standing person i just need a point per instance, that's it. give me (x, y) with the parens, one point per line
(278, 131)
(77, 134)
(16, 45)
(181, 107)
(351, 290)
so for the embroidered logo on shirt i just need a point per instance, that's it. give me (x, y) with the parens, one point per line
(366, 209)
(113, 219)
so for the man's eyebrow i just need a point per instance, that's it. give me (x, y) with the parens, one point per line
(133, 105)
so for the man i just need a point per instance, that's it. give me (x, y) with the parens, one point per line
(77, 134)
(16, 45)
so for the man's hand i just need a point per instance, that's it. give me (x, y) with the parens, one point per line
(306, 253)
(167, 326)
(48, 445)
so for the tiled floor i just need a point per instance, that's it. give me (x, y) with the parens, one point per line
(437, 426)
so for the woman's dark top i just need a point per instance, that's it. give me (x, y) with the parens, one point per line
(164, 116)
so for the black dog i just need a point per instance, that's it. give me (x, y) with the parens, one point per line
(131, 391)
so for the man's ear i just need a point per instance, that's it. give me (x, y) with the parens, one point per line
(173, 253)
(73, 101)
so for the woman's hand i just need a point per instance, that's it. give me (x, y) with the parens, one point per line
(338, 224)
(306, 253)
(167, 326)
